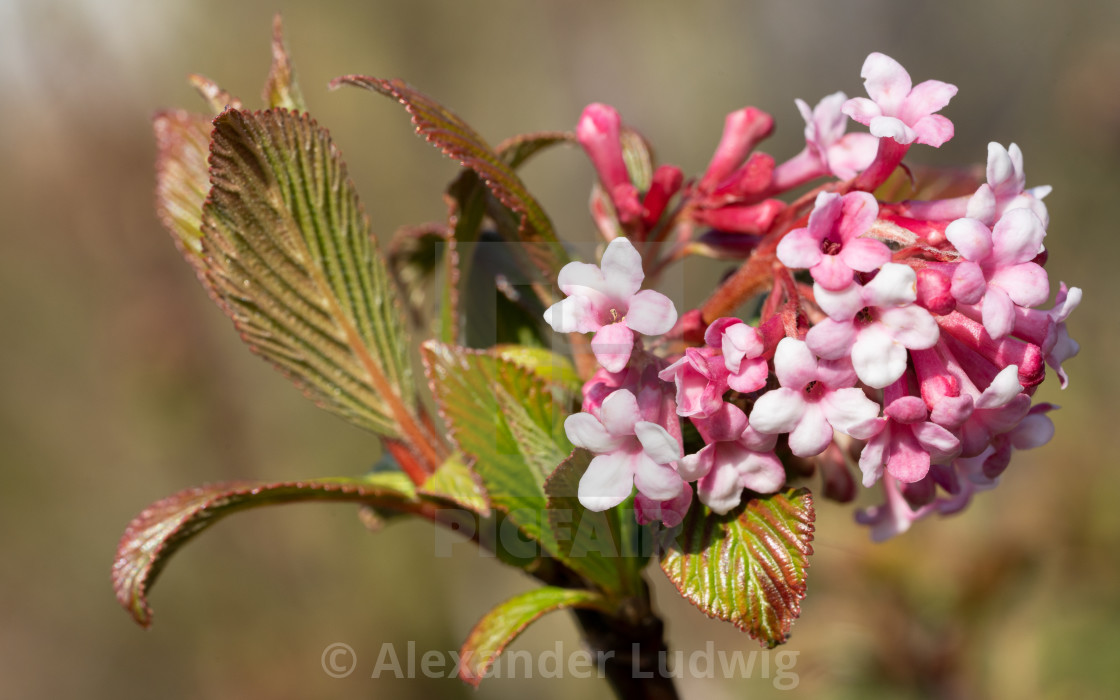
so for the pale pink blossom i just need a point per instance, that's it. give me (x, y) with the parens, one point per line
(908, 442)
(742, 347)
(816, 397)
(630, 452)
(735, 457)
(875, 324)
(831, 246)
(701, 380)
(604, 299)
(842, 155)
(1006, 188)
(898, 109)
(999, 272)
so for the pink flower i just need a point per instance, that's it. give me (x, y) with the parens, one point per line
(1006, 188)
(831, 246)
(631, 452)
(815, 398)
(908, 443)
(875, 324)
(999, 272)
(742, 347)
(605, 300)
(897, 109)
(838, 153)
(735, 457)
(701, 380)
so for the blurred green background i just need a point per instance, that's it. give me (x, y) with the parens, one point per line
(121, 383)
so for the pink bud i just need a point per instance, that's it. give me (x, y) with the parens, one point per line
(742, 131)
(752, 218)
(666, 182)
(934, 292)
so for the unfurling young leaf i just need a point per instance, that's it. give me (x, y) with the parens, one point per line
(182, 179)
(503, 624)
(445, 130)
(166, 525)
(747, 567)
(281, 90)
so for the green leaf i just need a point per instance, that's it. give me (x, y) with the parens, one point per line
(515, 151)
(454, 481)
(455, 138)
(490, 405)
(553, 368)
(503, 624)
(289, 252)
(281, 89)
(414, 255)
(183, 179)
(166, 525)
(747, 567)
(594, 540)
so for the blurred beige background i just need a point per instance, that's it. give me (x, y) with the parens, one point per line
(121, 383)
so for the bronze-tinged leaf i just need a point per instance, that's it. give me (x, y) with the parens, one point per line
(503, 624)
(166, 525)
(414, 255)
(218, 99)
(182, 179)
(289, 251)
(930, 182)
(454, 481)
(281, 89)
(516, 150)
(455, 138)
(747, 567)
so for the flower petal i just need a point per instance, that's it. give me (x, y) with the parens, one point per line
(1026, 283)
(794, 363)
(619, 413)
(885, 80)
(622, 269)
(1016, 237)
(799, 249)
(939, 442)
(971, 238)
(895, 285)
(579, 274)
(612, 346)
(651, 313)
(862, 110)
(840, 305)
(968, 285)
(762, 472)
(892, 128)
(929, 96)
(831, 339)
(998, 312)
(607, 482)
(660, 482)
(575, 314)
(911, 326)
(832, 273)
(851, 412)
(859, 211)
(693, 467)
(865, 254)
(812, 434)
(585, 431)
(878, 359)
(721, 489)
(778, 411)
(657, 443)
(933, 130)
(752, 376)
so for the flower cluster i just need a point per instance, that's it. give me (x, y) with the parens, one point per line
(903, 338)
